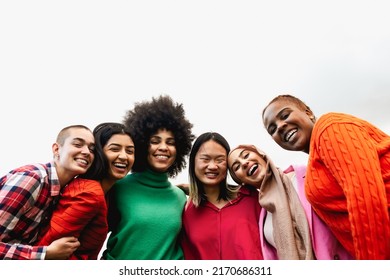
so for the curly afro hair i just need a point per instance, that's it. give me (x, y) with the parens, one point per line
(146, 118)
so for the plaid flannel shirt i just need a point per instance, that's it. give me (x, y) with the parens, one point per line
(27, 195)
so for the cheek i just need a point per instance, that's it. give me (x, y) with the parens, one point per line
(131, 159)
(149, 159)
(224, 168)
(276, 138)
(173, 155)
(172, 151)
(197, 171)
(150, 150)
(64, 154)
(240, 175)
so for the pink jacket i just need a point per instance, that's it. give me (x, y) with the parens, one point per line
(325, 245)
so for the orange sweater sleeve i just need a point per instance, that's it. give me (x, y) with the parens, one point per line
(350, 156)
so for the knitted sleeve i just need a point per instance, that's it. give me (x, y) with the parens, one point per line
(352, 159)
(75, 209)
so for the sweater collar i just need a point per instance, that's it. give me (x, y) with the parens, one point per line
(153, 179)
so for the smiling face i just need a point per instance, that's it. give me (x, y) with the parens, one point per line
(210, 163)
(248, 166)
(74, 155)
(119, 152)
(162, 150)
(289, 126)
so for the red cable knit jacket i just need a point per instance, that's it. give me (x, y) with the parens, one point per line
(81, 212)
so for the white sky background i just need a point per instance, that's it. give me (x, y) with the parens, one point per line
(87, 62)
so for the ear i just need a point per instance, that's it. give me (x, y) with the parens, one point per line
(55, 148)
(310, 114)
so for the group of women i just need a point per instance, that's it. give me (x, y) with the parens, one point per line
(336, 207)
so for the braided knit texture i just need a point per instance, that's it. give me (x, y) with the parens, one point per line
(348, 183)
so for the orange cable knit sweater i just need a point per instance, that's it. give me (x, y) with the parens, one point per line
(348, 183)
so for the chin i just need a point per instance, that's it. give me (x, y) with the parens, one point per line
(160, 169)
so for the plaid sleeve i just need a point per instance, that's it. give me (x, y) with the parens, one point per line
(21, 252)
(18, 193)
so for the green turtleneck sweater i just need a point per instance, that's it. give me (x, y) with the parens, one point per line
(150, 220)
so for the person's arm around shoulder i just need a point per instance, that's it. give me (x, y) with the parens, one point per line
(185, 187)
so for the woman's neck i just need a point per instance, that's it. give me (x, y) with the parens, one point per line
(212, 195)
(107, 184)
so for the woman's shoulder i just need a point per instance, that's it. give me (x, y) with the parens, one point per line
(179, 192)
(36, 170)
(334, 118)
(82, 185)
(125, 180)
(84, 182)
(247, 190)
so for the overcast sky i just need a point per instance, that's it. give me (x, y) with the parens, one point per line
(86, 62)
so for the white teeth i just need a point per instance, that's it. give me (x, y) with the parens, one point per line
(289, 134)
(120, 165)
(252, 169)
(82, 161)
(209, 174)
(162, 157)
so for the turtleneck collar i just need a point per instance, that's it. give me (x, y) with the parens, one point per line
(153, 179)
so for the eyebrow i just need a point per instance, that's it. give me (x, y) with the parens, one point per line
(80, 139)
(239, 156)
(281, 111)
(119, 145)
(278, 114)
(159, 137)
(91, 145)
